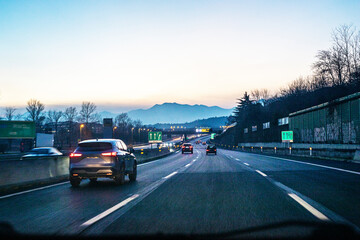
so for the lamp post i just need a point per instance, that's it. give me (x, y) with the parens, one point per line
(113, 133)
(81, 127)
(132, 136)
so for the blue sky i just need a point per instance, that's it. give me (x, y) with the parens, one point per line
(129, 54)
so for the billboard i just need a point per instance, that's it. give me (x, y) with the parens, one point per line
(17, 129)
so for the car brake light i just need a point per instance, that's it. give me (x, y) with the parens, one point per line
(75, 154)
(207, 150)
(109, 154)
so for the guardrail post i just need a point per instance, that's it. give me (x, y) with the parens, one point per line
(310, 151)
(275, 149)
(290, 150)
(261, 149)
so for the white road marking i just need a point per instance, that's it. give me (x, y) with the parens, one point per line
(313, 164)
(308, 207)
(188, 165)
(109, 211)
(261, 173)
(142, 164)
(33, 190)
(170, 175)
(246, 164)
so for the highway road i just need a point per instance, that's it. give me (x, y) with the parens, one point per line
(195, 193)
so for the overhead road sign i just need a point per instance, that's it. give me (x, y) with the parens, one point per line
(155, 137)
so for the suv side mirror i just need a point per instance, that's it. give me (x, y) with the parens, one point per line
(131, 150)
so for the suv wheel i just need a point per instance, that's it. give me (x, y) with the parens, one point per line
(132, 176)
(75, 182)
(120, 177)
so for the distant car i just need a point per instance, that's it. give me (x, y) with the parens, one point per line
(102, 158)
(211, 149)
(42, 152)
(203, 143)
(187, 147)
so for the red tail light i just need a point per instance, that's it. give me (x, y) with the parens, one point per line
(75, 154)
(190, 146)
(207, 150)
(109, 154)
(183, 146)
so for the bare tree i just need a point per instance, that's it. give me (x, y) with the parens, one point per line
(10, 113)
(70, 114)
(54, 117)
(296, 87)
(87, 112)
(259, 94)
(35, 109)
(342, 37)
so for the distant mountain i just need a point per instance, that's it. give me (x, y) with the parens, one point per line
(213, 122)
(177, 113)
(106, 114)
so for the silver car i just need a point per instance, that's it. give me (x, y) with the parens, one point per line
(42, 152)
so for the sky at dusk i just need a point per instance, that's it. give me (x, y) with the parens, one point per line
(130, 54)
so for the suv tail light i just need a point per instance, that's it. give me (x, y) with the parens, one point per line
(109, 154)
(75, 154)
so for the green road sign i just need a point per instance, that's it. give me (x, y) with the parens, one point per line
(155, 137)
(212, 136)
(17, 129)
(287, 136)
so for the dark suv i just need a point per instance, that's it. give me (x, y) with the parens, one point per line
(102, 158)
(211, 149)
(187, 147)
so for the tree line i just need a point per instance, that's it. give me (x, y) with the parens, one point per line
(335, 73)
(70, 120)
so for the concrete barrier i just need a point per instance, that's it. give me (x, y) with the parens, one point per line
(18, 175)
(342, 152)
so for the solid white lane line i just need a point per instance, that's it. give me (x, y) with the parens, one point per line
(188, 165)
(142, 164)
(170, 175)
(246, 164)
(33, 190)
(308, 207)
(110, 210)
(261, 173)
(313, 164)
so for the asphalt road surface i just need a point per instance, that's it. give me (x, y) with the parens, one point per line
(195, 193)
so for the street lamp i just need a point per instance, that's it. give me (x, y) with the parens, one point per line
(113, 134)
(132, 135)
(81, 127)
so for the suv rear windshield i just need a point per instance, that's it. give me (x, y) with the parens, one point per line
(187, 144)
(94, 146)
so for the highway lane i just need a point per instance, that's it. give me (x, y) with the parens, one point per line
(62, 209)
(334, 185)
(193, 193)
